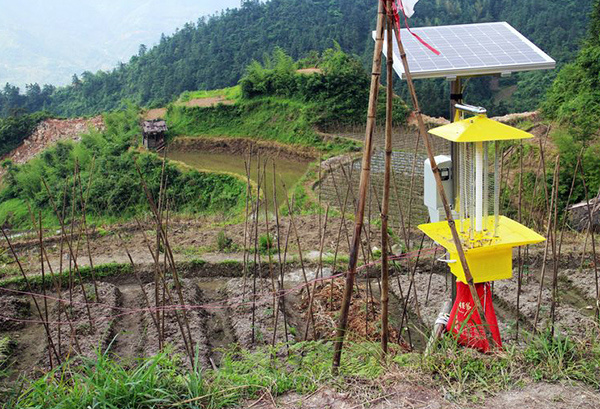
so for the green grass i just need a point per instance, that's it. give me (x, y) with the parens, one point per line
(161, 381)
(464, 375)
(101, 271)
(232, 93)
(276, 119)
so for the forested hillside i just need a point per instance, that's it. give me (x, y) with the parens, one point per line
(214, 52)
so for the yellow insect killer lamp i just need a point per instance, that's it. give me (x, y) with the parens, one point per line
(487, 240)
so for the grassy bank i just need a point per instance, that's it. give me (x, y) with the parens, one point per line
(276, 119)
(160, 381)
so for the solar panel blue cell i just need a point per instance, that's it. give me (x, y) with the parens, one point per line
(468, 50)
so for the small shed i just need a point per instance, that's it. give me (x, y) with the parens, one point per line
(154, 134)
(579, 215)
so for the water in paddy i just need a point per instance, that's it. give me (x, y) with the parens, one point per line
(287, 170)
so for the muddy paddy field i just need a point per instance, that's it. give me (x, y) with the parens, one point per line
(217, 306)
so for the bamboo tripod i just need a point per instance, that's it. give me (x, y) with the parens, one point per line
(383, 19)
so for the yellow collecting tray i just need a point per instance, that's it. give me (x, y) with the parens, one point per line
(479, 128)
(489, 258)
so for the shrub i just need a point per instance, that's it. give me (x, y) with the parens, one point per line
(223, 242)
(265, 243)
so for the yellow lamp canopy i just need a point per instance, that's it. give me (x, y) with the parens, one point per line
(487, 240)
(479, 128)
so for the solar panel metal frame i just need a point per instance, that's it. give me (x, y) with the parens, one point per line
(539, 60)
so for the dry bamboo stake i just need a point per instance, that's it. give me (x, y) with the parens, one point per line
(566, 212)
(314, 288)
(442, 193)
(269, 244)
(431, 275)
(403, 228)
(280, 295)
(157, 295)
(337, 243)
(139, 280)
(73, 255)
(247, 165)
(413, 269)
(354, 204)
(171, 259)
(369, 290)
(70, 239)
(30, 290)
(402, 224)
(171, 299)
(411, 285)
(384, 226)
(386, 184)
(554, 257)
(549, 232)
(41, 238)
(84, 224)
(365, 253)
(543, 163)
(59, 293)
(362, 245)
(298, 243)
(60, 268)
(255, 266)
(591, 233)
(364, 180)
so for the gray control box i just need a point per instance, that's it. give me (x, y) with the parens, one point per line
(431, 197)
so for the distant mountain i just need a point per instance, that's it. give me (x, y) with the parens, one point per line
(214, 52)
(47, 41)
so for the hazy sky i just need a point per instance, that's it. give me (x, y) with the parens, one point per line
(47, 41)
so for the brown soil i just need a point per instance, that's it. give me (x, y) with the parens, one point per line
(208, 102)
(172, 330)
(241, 146)
(156, 113)
(413, 395)
(50, 131)
(310, 71)
(190, 238)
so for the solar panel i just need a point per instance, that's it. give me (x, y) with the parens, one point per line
(469, 50)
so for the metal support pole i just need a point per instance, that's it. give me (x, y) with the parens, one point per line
(455, 98)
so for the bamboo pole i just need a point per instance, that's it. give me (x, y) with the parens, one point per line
(30, 290)
(549, 233)
(256, 262)
(293, 223)
(156, 258)
(385, 205)
(363, 187)
(247, 166)
(519, 256)
(280, 287)
(71, 252)
(591, 233)
(84, 223)
(554, 255)
(43, 271)
(314, 287)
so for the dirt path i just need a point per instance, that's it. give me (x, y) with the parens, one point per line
(400, 395)
(219, 329)
(129, 330)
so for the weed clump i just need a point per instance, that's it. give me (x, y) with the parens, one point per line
(224, 242)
